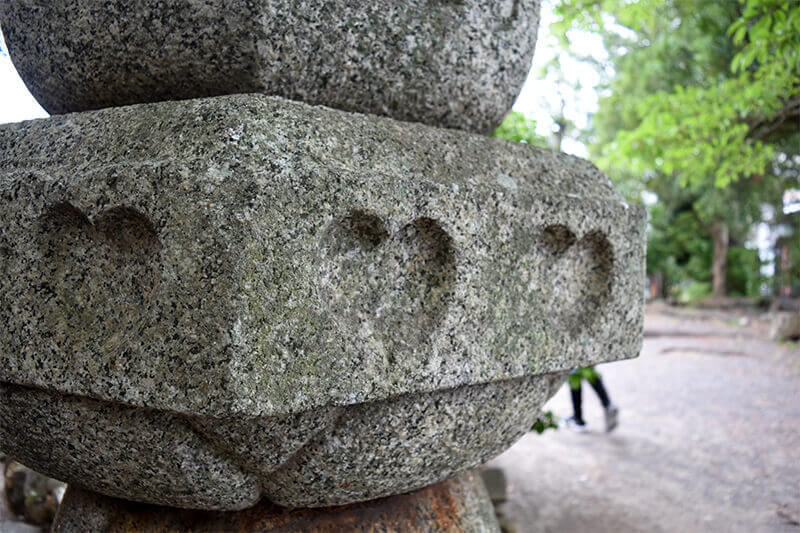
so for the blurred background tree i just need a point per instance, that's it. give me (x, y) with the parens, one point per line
(699, 116)
(519, 128)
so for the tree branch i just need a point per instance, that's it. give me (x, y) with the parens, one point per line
(706, 227)
(764, 128)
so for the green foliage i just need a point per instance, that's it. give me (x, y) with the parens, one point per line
(711, 125)
(518, 128)
(702, 98)
(676, 246)
(545, 422)
(692, 291)
(769, 31)
(696, 135)
(744, 275)
(679, 248)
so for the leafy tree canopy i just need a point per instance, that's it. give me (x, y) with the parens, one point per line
(519, 128)
(722, 81)
(700, 107)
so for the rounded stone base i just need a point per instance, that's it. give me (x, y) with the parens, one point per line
(460, 504)
(328, 456)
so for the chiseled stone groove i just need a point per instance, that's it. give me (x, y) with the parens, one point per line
(402, 444)
(261, 445)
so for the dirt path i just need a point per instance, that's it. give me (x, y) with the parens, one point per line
(709, 440)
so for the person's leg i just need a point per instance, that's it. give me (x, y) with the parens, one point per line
(611, 411)
(594, 379)
(575, 391)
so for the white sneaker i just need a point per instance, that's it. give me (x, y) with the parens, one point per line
(578, 426)
(612, 415)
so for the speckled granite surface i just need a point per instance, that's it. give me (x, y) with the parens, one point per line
(382, 448)
(120, 451)
(325, 307)
(339, 456)
(457, 505)
(250, 255)
(447, 63)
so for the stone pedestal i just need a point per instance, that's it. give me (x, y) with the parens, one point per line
(460, 504)
(213, 304)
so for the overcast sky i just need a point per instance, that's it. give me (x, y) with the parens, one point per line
(539, 98)
(16, 103)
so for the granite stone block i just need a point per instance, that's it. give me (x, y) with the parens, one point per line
(446, 63)
(250, 255)
(383, 448)
(314, 306)
(120, 451)
(460, 504)
(784, 326)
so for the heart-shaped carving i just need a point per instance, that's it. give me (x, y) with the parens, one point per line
(395, 288)
(99, 277)
(573, 276)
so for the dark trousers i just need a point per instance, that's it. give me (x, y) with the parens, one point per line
(594, 379)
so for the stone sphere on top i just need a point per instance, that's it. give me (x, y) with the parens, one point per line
(447, 63)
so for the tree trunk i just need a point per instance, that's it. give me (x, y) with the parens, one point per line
(558, 135)
(719, 263)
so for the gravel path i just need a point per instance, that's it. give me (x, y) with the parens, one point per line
(709, 440)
